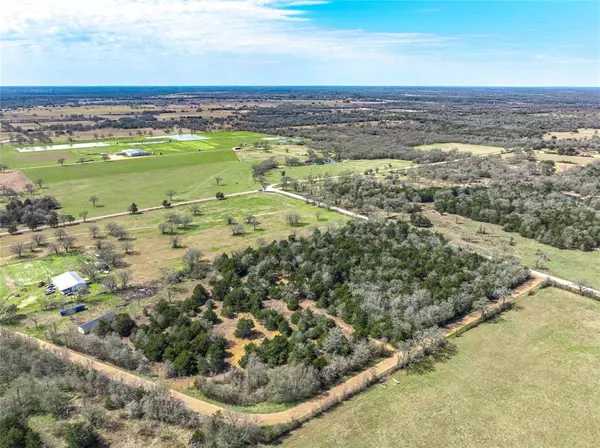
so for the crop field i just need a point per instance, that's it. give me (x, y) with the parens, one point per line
(526, 379)
(570, 264)
(476, 150)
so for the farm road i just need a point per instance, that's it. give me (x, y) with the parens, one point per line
(141, 210)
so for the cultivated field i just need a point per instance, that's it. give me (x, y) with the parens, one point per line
(476, 150)
(526, 379)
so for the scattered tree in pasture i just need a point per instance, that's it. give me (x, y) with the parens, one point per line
(61, 161)
(60, 234)
(83, 215)
(237, 229)
(39, 182)
(53, 247)
(133, 208)
(68, 242)
(127, 246)
(293, 219)
(195, 209)
(94, 200)
(124, 277)
(220, 196)
(191, 259)
(166, 204)
(38, 239)
(94, 231)
(29, 188)
(229, 220)
(110, 283)
(105, 157)
(18, 249)
(218, 180)
(175, 242)
(170, 194)
(166, 228)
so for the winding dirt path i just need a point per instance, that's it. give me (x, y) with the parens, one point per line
(303, 411)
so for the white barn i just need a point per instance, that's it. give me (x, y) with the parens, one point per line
(69, 282)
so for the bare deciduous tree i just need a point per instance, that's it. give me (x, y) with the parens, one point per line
(127, 246)
(124, 277)
(94, 231)
(18, 249)
(38, 239)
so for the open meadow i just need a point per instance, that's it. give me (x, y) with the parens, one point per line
(527, 378)
(476, 150)
(574, 265)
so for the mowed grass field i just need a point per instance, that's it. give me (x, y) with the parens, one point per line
(215, 140)
(529, 379)
(476, 150)
(144, 181)
(571, 265)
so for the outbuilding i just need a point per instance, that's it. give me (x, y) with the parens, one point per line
(134, 152)
(87, 327)
(69, 282)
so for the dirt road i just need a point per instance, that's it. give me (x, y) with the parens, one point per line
(141, 210)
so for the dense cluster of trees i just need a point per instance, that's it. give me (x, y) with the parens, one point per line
(534, 211)
(365, 194)
(186, 345)
(32, 212)
(37, 382)
(386, 280)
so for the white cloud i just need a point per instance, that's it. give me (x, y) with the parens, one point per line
(265, 27)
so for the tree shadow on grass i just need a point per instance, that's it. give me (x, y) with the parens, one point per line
(427, 364)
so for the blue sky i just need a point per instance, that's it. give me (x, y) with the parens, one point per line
(300, 42)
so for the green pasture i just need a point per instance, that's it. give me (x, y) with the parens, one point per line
(526, 379)
(571, 265)
(215, 141)
(31, 272)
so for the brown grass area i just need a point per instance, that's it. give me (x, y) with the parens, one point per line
(14, 179)
(581, 134)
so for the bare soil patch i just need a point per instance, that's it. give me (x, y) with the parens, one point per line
(14, 179)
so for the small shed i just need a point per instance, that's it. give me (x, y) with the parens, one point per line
(69, 282)
(87, 327)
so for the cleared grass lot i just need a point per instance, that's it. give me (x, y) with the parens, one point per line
(474, 149)
(573, 265)
(527, 379)
(208, 232)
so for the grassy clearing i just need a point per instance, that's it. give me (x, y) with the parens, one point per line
(527, 379)
(357, 166)
(568, 264)
(474, 149)
(117, 190)
(208, 232)
(30, 272)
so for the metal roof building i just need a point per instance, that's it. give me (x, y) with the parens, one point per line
(68, 282)
(87, 327)
(134, 152)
